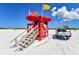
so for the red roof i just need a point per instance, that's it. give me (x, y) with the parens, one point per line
(32, 18)
(39, 18)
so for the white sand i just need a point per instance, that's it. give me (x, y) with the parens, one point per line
(52, 47)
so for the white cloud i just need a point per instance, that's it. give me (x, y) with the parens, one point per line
(54, 13)
(72, 9)
(77, 10)
(53, 9)
(65, 14)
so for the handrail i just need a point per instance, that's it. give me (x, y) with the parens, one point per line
(30, 38)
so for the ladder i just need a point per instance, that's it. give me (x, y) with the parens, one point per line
(26, 40)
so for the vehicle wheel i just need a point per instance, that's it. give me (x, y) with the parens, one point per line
(66, 38)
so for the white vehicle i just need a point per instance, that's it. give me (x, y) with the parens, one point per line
(62, 34)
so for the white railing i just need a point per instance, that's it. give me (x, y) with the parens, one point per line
(33, 36)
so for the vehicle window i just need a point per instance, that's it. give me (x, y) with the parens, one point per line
(59, 30)
(64, 31)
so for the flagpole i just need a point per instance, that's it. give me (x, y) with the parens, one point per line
(40, 24)
(29, 12)
(42, 11)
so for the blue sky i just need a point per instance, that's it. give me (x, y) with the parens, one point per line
(12, 15)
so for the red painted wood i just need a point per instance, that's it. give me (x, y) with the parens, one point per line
(43, 31)
(38, 18)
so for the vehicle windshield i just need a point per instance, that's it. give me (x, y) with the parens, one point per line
(64, 31)
(61, 30)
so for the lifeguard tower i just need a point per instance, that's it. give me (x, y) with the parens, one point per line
(41, 22)
(36, 30)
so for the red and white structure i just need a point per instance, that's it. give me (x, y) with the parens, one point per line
(41, 22)
(37, 29)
